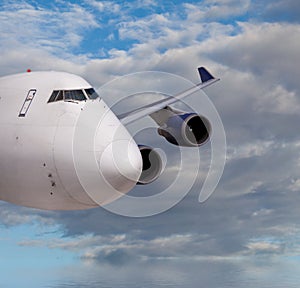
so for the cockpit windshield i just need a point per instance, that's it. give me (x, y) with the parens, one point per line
(91, 93)
(73, 95)
(76, 95)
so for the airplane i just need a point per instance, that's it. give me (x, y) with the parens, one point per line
(39, 114)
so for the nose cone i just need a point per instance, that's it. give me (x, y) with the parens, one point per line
(106, 158)
(121, 164)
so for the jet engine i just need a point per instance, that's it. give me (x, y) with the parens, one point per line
(152, 165)
(186, 129)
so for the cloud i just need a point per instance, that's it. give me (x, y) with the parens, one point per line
(14, 216)
(42, 38)
(277, 11)
(258, 99)
(214, 10)
(56, 34)
(25, 27)
(264, 247)
(251, 51)
(122, 249)
(104, 6)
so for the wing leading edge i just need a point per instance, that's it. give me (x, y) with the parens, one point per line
(206, 80)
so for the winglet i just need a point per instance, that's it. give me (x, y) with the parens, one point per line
(205, 75)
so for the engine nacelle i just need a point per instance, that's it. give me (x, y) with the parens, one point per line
(152, 165)
(189, 129)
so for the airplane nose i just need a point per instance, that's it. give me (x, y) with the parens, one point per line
(107, 160)
(121, 164)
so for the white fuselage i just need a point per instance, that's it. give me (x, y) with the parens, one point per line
(39, 166)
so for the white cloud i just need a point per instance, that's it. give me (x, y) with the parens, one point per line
(104, 6)
(265, 247)
(262, 212)
(13, 216)
(279, 100)
(213, 10)
(91, 247)
(144, 29)
(295, 185)
(27, 27)
(267, 50)
(249, 150)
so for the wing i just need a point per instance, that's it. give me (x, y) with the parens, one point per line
(206, 80)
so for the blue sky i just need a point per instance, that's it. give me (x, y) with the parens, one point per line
(249, 229)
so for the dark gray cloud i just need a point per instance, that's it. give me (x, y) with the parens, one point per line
(279, 10)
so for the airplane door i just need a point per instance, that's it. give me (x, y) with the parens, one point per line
(28, 100)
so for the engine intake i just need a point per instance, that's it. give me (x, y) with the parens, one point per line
(189, 129)
(152, 165)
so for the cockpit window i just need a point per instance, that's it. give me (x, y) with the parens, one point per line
(53, 96)
(60, 96)
(91, 93)
(76, 95)
(67, 95)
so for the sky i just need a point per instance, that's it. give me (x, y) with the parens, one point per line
(247, 234)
